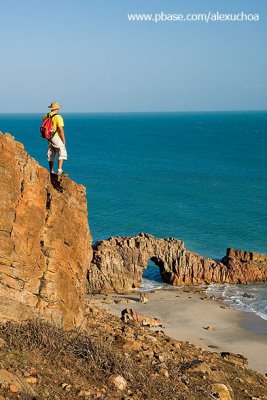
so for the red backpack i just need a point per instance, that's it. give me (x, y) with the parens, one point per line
(47, 130)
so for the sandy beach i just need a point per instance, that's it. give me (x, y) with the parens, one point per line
(186, 315)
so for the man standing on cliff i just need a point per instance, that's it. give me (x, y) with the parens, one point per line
(57, 144)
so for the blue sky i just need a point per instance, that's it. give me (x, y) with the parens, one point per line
(88, 56)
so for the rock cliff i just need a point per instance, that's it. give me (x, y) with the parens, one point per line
(45, 243)
(118, 264)
(245, 266)
(45, 248)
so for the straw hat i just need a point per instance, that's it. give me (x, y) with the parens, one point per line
(54, 105)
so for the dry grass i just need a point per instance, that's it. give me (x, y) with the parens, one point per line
(86, 360)
(91, 359)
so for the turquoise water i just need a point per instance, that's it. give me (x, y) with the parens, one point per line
(199, 177)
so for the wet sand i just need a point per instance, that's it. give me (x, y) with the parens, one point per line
(185, 315)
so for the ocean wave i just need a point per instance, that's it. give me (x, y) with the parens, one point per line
(149, 285)
(248, 298)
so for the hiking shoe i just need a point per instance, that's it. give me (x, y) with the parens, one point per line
(62, 173)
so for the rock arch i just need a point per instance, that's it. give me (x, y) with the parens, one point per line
(118, 264)
(158, 262)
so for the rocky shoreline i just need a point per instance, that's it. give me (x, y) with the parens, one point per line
(189, 314)
(47, 262)
(119, 262)
(112, 359)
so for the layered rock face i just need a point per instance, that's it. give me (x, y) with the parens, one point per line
(45, 243)
(246, 266)
(118, 264)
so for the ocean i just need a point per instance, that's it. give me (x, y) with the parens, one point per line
(199, 177)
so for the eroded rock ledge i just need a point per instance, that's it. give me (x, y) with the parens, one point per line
(45, 243)
(118, 264)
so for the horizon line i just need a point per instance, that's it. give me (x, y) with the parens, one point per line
(137, 112)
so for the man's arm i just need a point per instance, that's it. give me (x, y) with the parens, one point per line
(62, 134)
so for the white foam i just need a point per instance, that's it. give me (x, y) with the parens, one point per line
(148, 285)
(233, 295)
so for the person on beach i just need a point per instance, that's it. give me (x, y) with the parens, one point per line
(57, 144)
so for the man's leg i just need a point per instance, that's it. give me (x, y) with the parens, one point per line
(51, 154)
(51, 167)
(62, 155)
(60, 164)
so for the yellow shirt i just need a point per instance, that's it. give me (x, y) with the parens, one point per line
(57, 121)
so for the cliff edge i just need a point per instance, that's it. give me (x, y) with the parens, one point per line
(45, 242)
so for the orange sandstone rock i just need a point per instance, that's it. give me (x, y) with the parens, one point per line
(132, 345)
(129, 315)
(45, 243)
(119, 262)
